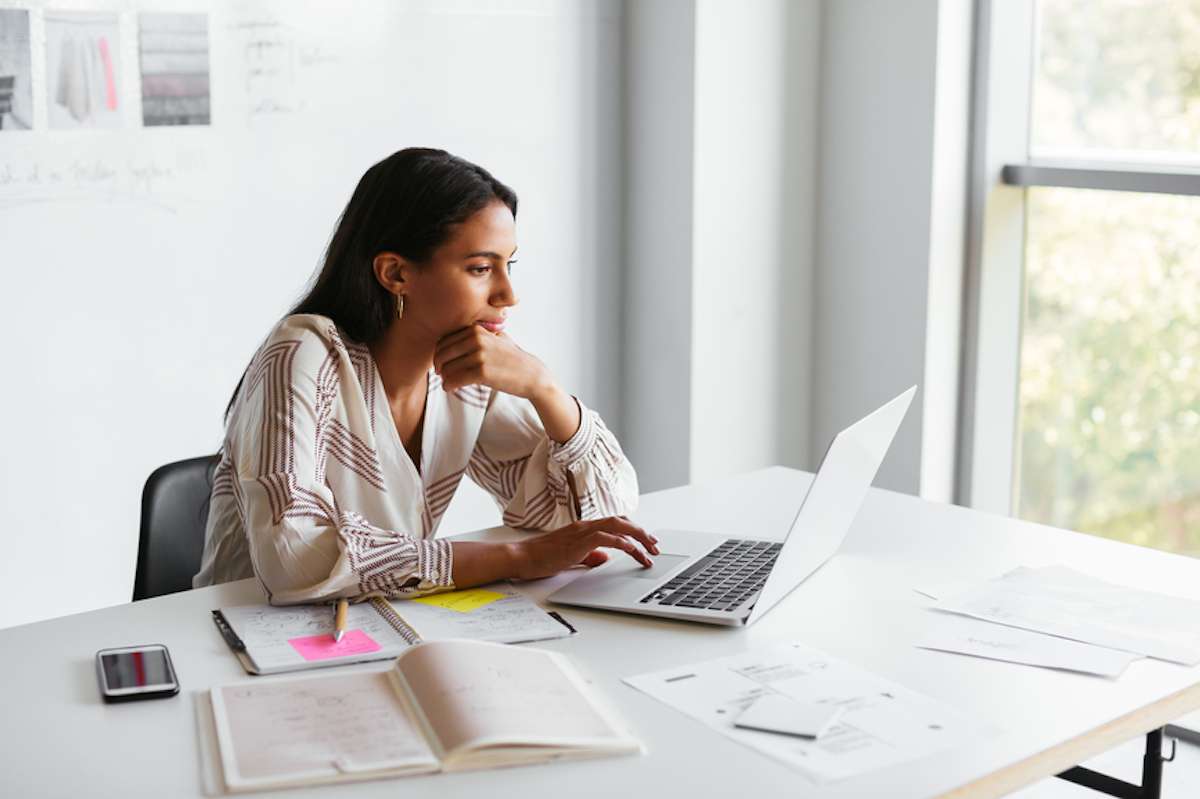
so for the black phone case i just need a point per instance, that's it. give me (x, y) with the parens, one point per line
(112, 700)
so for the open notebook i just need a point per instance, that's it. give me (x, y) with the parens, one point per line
(269, 640)
(444, 706)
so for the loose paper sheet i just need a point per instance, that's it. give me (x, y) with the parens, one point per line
(83, 61)
(1063, 602)
(783, 715)
(948, 632)
(882, 723)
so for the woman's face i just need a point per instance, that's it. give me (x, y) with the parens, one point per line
(466, 280)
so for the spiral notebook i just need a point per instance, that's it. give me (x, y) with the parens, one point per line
(270, 640)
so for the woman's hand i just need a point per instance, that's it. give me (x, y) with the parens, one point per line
(475, 355)
(580, 543)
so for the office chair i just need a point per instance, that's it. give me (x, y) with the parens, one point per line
(174, 514)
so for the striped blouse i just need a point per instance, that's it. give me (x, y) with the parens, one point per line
(316, 496)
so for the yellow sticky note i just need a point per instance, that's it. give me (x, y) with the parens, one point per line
(462, 601)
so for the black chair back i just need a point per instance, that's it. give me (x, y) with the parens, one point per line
(174, 514)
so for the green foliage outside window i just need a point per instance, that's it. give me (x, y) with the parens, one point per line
(1110, 366)
(1110, 362)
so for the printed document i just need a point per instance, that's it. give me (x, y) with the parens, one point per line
(1063, 602)
(881, 723)
(948, 632)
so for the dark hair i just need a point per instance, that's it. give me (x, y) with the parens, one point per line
(404, 204)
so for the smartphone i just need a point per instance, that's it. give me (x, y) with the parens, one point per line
(136, 672)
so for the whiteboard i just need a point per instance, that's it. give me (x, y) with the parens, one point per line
(143, 265)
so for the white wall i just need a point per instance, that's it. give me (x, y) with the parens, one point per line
(754, 195)
(721, 148)
(752, 209)
(658, 120)
(890, 222)
(132, 306)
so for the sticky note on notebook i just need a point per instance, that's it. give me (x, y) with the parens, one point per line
(323, 647)
(461, 601)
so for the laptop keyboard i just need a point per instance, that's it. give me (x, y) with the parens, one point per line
(721, 580)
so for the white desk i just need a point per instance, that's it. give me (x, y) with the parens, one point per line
(57, 738)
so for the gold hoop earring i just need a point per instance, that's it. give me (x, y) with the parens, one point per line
(399, 306)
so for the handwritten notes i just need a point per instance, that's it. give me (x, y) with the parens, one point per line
(495, 613)
(303, 729)
(323, 647)
(471, 696)
(107, 171)
(285, 65)
(462, 601)
(288, 638)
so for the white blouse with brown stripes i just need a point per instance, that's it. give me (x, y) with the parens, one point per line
(317, 497)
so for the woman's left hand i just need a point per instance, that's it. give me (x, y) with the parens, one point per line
(475, 355)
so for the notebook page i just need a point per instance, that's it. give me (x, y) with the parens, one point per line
(281, 638)
(296, 731)
(474, 694)
(491, 613)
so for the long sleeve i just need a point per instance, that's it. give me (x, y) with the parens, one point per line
(300, 413)
(541, 484)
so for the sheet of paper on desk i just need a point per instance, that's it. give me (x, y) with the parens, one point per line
(882, 723)
(948, 632)
(1063, 602)
(940, 590)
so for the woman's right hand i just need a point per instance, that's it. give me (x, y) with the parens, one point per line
(580, 543)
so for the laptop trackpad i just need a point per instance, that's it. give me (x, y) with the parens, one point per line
(663, 565)
(617, 583)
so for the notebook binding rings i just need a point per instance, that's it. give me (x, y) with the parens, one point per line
(393, 618)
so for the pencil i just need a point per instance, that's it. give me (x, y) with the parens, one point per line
(339, 620)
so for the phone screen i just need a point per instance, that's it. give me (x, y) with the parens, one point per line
(142, 668)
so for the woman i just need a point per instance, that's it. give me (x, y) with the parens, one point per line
(390, 380)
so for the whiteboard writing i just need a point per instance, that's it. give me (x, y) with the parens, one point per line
(278, 61)
(154, 179)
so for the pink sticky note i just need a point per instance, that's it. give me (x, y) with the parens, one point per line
(323, 647)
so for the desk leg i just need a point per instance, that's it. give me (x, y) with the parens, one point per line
(1152, 770)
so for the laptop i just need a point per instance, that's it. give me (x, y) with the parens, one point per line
(734, 581)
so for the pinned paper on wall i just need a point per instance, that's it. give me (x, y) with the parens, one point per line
(323, 647)
(174, 63)
(462, 601)
(83, 66)
(16, 96)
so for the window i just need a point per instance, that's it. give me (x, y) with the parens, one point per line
(1109, 430)
(1117, 80)
(1103, 320)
